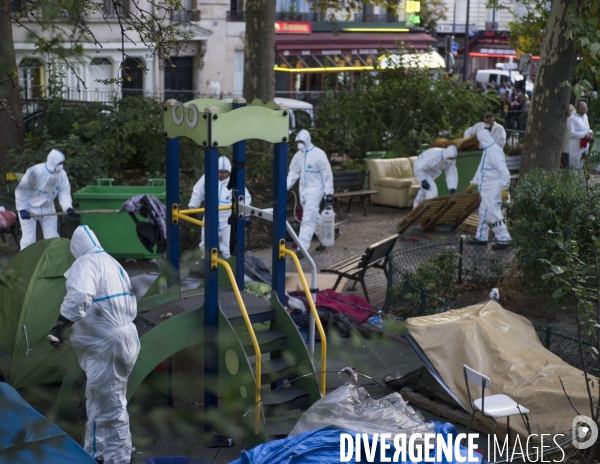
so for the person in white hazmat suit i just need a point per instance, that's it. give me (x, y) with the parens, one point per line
(497, 131)
(311, 166)
(100, 306)
(493, 179)
(36, 193)
(429, 165)
(225, 199)
(580, 135)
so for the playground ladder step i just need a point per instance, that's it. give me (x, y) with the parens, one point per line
(282, 428)
(276, 370)
(259, 310)
(269, 340)
(284, 399)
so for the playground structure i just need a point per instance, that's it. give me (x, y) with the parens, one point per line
(216, 320)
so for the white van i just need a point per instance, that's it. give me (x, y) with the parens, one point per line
(302, 115)
(502, 75)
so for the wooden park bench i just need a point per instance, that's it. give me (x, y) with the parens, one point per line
(348, 184)
(355, 267)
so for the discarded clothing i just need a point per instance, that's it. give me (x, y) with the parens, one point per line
(256, 269)
(7, 219)
(354, 305)
(153, 232)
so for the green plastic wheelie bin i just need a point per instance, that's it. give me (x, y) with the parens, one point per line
(116, 232)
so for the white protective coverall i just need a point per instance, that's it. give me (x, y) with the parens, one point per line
(36, 193)
(429, 165)
(492, 177)
(102, 305)
(498, 132)
(311, 166)
(578, 127)
(225, 199)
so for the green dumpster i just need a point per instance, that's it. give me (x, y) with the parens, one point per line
(116, 232)
(466, 163)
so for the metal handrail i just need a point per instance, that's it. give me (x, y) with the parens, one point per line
(282, 252)
(214, 263)
(183, 214)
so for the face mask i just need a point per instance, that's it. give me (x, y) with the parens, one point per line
(58, 168)
(301, 147)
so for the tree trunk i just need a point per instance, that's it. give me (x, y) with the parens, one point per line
(259, 77)
(547, 117)
(12, 128)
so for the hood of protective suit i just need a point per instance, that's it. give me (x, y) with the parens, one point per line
(450, 152)
(304, 136)
(54, 158)
(83, 241)
(485, 138)
(224, 164)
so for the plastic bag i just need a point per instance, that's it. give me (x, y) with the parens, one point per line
(351, 407)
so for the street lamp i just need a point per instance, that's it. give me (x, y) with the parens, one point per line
(466, 58)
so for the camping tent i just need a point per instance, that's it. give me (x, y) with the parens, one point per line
(27, 437)
(505, 347)
(32, 287)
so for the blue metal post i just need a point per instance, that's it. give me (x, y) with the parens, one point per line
(172, 174)
(239, 188)
(211, 284)
(280, 151)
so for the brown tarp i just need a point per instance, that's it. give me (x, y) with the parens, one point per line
(505, 347)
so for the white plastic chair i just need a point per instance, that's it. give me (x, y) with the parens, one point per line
(494, 406)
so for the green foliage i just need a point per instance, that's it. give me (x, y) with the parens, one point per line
(395, 110)
(547, 201)
(123, 140)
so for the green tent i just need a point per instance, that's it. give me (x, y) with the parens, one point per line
(32, 288)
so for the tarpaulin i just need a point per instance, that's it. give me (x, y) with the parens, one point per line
(504, 347)
(27, 437)
(322, 446)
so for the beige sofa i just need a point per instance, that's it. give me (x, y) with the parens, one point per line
(394, 181)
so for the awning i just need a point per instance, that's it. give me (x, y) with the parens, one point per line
(361, 43)
(495, 51)
(328, 52)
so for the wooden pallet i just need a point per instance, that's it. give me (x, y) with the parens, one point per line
(470, 224)
(449, 209)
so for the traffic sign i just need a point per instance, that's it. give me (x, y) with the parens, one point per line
(524, 64)
(454, 47)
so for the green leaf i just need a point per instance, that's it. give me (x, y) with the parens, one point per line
(557, 269)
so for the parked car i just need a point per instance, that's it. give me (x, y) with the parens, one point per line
(302, 115)
(502, 75)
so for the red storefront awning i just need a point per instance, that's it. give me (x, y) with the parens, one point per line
(358, 43)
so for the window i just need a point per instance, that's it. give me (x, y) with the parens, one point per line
(110, 10)
(238, 73)
(31, 72)
(99, 69)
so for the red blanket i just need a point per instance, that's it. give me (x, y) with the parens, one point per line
(354, 305)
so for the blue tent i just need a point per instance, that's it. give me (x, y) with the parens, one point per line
(27, 437)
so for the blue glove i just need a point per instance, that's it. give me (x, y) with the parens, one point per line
(24, 214)
(71, 213)
(425, 185)
(329, 198)
(452, 191)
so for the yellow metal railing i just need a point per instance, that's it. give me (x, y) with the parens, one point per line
(183, 214)
(214, 263)
(282, 252)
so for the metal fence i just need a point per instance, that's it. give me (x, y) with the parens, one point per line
(422, 279)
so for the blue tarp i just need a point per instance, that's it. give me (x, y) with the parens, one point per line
(27, 437)
(323, 446)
